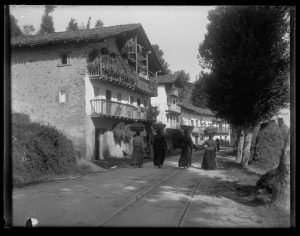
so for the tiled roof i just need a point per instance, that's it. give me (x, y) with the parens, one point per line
(186, 100)
(72, 36)
(165, 79)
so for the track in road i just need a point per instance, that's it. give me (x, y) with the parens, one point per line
(131, 210)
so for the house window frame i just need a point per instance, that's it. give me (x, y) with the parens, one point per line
(60, 96)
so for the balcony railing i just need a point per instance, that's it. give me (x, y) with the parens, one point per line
(118, 110)
(174, 92)
(173, 108)
(118, 72)
(173, 125)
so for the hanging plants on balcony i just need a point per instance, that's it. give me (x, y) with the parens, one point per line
(137, 127)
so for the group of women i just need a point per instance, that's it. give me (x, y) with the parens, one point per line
(185, 160)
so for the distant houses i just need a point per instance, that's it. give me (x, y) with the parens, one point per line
(177, 111)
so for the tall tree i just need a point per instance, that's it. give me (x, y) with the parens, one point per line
(73, 25)
(28, 30)
(88, 23)
(99, 24)
(245, 50)
(15, 30)
(159, 53)
(47, 25)
(181, 78)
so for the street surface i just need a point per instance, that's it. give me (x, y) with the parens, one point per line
(139, 197)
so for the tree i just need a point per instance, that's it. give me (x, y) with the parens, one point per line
(199, 97)
(244, 48)
(15, 30)
(99, 24)
(88, 23)
(181, 78)
(47, 25)
(73, 25)
(28, 30)
(159, 53)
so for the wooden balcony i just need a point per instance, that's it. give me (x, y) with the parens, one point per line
(118, 73)
(173, 108)
(174, 92)
(175, 125)
(112, 109)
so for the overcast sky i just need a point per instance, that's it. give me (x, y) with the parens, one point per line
(177, 30)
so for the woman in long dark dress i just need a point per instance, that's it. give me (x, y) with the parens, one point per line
(138, 150)
(209, 159)
(159, 148)
(185, 159)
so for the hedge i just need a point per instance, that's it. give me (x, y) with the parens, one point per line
(39, 149)
(269, 143)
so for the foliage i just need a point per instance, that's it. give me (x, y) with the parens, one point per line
(199, 97)
(159, 53)
(28, 30)
(268, 147)
(245, 51)
(15, 30)
(181, 78)
(47, 25)
(99, 24)
(73, 25)
(88, 23)
(38, 150)
(122, 133)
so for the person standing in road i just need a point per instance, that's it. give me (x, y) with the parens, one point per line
(138, 150)
(218, 144)
(159, 148)
(209, 159)
(185, 159)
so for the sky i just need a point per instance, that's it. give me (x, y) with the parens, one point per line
(178, 30)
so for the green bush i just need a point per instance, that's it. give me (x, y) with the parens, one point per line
(269, 144)
(38, 150)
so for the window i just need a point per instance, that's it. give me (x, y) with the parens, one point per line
(62, 96)
(192, 122)
(138, 101)
(96, 91)
(196, 123)
(131, 100)
(119, 97)
(64, 59)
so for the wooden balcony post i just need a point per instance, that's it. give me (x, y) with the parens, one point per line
(136, 55)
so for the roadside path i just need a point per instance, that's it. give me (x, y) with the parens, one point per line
(148, 196)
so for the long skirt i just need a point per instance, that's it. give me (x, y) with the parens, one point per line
(209, 160)
(185, 159)
(159, 156)
(137, 155)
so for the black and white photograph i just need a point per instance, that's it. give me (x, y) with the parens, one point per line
(161, 116)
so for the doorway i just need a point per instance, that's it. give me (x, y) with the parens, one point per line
(96, 152)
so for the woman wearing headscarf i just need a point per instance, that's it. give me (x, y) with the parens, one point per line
(209, 159)
(159, 148)
(138, 150)
(185, 159)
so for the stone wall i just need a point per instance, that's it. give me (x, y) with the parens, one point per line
(37, 76)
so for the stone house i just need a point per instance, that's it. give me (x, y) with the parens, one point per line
(85, 83)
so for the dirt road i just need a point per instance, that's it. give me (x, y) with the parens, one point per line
(148, 196)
